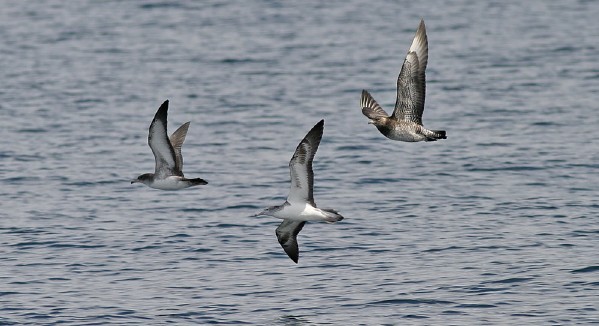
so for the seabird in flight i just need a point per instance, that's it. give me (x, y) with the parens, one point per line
(405, 124)
(168, 173)
(300, 206)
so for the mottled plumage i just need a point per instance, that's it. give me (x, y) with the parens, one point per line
(405, 124)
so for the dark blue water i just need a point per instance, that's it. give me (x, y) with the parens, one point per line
(498, 224)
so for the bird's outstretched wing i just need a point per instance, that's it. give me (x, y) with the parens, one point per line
(370, 107)
(300, 167)
(287, 235)
(177, 139)
(411, 83)
(164, 153)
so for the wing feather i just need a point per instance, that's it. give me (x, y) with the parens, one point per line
(300, 167)
(370, 107)
(164, 154)
(177, 139)
(411, 83)
(287, 235)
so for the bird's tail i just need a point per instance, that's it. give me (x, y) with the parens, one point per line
(332, 215)
(197, 182)
(433, 135)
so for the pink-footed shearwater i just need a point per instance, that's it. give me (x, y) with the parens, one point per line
(300, 206)
(168, 173)
(405, 124)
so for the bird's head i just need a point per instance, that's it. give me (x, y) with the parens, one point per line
(145, 178)
(269, 211)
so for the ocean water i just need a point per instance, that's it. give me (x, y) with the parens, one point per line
(496, 225)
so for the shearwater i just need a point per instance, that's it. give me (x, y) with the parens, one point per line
(300, 206)
(168, 172)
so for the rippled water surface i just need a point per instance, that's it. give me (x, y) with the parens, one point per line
(498, 224)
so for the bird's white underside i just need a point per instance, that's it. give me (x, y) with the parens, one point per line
(162, 149)
(169, 183)
(300, 187)
(301, 212)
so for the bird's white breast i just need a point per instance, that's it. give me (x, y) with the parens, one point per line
(169, 183)
(301, 212)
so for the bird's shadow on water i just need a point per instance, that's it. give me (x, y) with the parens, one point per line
(288, 320)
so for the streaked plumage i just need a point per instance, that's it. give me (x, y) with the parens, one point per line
(405, 124)
(168, 170)
(300, 206)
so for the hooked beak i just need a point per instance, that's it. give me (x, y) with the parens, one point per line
(134, 181)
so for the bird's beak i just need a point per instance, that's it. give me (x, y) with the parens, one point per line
(370, 122)
(258, 214)
(134, 181)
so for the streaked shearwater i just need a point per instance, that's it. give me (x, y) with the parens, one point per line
(299, 206)
(168, 173)
(405, 124)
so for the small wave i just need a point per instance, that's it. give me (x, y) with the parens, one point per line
(480, 289)
(476, 305)
(353, 148)
(243, 206)
(443, 249)
(28, 244)
(512, 280)
(506, 168)
(415, 316)
(26, 230)
(545, 123)
(243, 60)
(381, 180)
(589, 269)
(161, 5)
(409, 301)
(74, 245)
(146, 248)
(452, 312)
(201, 250)
(33, 130)
(179, 235)
(494, 144)
(227, 225)
(17, 180)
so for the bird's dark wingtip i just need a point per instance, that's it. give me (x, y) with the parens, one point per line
(162, 111)
(295, 258)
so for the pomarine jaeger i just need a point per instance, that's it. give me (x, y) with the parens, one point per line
(300, 206)
(405, 124)
(168, 172)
